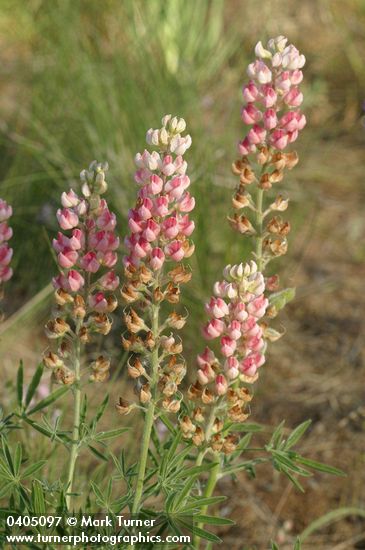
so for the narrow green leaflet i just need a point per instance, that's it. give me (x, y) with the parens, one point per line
(54, 396)
(320, 466)
(213, 520)
(38, 501)
(33, 468)
(19, 383)
(199, 532)
(111, 434)
(297, 434)
(34, 383)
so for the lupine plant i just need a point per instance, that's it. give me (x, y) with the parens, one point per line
(86, 255)
(194, 420)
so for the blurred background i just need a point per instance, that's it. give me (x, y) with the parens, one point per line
(83, 80)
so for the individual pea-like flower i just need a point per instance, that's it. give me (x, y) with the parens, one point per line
(6, 253)
(235, 310)
(158, 242)
(86, 249)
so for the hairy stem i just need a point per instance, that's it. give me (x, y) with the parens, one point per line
(76, 424)
(149, 418)
(208, 491)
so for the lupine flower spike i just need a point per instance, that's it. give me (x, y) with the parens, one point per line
(86, 249)
(234, 312)
(6, 252)
(160, 227)
(274, 119)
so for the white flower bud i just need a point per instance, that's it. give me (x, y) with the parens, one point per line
(261, 52)
(181, 125)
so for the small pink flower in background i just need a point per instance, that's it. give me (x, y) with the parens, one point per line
(272, 97)
(6, 253)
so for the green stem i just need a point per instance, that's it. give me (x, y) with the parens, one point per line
(76, 425)
(148, 424)
(209, 490)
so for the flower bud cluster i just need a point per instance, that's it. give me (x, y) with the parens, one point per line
(6, 252)
(160, 228)
(86, 251)
(272, 97)
(234, 311)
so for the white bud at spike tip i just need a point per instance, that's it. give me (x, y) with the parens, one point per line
(261, 52)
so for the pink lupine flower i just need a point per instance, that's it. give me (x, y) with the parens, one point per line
(206, 357)
(258, 306)
(5, 232)
(217, 308)
(157, 258)
(175, 250)
(250, 92)
(228, 346)
(6, 253)
(109, 281)
(70, 199)
(205, 374)
(106, 220)
(270, 119)
(98, 302)
(6, 211)
(67, 258)
(213, 329)
(67, 218)
(221, 385)
(274, 80)
(89, 262)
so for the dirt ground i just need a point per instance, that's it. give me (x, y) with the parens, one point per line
(317, 370)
